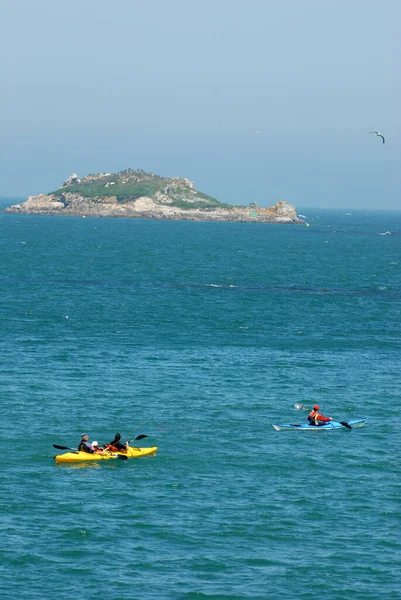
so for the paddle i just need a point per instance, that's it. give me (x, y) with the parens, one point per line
(302, 407)
(65, 448)
(138, 437)
(120, 456)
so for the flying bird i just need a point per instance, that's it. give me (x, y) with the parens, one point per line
(379, 135)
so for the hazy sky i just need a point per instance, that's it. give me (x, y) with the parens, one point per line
(256, 100)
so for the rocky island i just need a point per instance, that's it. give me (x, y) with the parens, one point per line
(135, 194)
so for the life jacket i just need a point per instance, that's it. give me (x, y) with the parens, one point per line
(312, 417)
(112, 448)
(119, 446)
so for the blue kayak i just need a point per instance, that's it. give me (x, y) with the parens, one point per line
(330, 426)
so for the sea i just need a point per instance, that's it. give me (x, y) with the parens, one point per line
(201, 336)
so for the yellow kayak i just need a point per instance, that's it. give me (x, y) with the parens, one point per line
(69, 457)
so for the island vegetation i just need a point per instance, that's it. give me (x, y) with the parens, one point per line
(131, 184)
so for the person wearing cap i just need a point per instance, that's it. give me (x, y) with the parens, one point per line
(84, 445)
(316, 418)
(118, 444)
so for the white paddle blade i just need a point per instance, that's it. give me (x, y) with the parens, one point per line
(300, 407)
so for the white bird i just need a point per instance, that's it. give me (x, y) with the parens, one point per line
(378, 134)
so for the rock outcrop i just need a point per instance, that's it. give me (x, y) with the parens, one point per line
(70, 180)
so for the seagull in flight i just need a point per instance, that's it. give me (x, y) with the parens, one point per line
(379, 135)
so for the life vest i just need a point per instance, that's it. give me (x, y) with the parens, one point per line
(312, 417)
(112, 448)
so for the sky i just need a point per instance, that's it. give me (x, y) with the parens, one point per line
(254, 101)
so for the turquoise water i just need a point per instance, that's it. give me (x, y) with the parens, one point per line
(201, 335)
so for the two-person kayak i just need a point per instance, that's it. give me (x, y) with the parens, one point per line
(330, 426)
(76, 456)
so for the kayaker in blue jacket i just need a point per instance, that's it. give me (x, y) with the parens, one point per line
(84, 445)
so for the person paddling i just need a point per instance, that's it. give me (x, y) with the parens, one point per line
(316, 418)
(117, 444)
(84, 445)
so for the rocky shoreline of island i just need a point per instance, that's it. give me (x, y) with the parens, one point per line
(139, 195)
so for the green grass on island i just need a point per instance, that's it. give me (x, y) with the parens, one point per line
(131, 184)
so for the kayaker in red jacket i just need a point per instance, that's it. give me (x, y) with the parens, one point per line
(315, 418)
